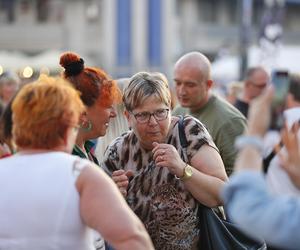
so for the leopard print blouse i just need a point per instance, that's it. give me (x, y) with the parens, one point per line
(167, 209)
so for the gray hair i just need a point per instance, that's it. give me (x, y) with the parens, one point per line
(9, 77)
(143, 85)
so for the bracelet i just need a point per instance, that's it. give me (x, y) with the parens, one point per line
(253, 141)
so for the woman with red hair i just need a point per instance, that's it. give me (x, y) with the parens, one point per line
(98, 93)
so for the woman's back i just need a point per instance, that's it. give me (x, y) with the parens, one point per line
(40, 203)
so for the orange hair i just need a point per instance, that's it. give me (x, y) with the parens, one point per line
(43, 111)
(93, 83)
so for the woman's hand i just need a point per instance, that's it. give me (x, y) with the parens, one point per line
(121, 178)
(291, 162)
(166, 155)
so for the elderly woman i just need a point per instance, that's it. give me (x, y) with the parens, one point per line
(51, 197)
(146, 164)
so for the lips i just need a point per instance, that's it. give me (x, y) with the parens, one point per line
(154, 133)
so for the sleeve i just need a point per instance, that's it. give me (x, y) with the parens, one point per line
(225, 139)
(274, 218)
(197, 135)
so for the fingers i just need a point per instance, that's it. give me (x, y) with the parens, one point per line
(129, 173)
(159, 150)
(121, 178)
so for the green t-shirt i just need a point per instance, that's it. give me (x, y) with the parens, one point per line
(224, 123)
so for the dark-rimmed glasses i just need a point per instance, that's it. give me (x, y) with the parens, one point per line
(144, 117)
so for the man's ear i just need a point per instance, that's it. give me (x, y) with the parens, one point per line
(210, 83)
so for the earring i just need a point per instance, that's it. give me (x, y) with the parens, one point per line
(86, 126)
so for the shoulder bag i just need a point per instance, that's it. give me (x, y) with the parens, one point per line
(217, 233)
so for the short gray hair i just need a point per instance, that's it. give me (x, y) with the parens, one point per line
(9, 77)
(143, 85)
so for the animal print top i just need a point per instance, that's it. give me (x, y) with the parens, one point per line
(167, 209)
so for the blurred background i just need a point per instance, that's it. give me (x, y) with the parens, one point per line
(126, 36)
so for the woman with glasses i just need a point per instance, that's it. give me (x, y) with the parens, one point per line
(147, 165)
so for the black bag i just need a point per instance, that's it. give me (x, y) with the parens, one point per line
(216, 233)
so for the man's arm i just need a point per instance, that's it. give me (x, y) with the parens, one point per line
(225, 139)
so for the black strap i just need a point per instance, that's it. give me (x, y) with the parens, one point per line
(269, 157)
(182, 136)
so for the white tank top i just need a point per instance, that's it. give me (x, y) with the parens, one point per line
(39, 203)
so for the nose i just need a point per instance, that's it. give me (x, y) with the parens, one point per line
(152, 120)
(180, 90)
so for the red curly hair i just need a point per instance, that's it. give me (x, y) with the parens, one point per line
(93, 83)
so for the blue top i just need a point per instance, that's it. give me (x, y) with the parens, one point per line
(274, 218)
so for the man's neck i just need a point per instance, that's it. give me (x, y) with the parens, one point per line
(200, 105)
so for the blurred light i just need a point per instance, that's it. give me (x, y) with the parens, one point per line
(44, 71)
(27, 72)
(1, 70)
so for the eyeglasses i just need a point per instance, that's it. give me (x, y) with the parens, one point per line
(159, 115)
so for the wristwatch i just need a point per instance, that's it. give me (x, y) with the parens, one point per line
(187, 172)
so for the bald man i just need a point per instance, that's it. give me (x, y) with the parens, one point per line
(193, 89)
(255, 82)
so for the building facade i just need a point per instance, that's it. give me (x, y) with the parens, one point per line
(126, 36)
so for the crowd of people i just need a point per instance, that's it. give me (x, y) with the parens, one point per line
(89, 162)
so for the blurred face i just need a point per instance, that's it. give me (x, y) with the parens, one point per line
(8, 90)
(100, 117)
(191, 89)
(257, 83)
(153, 128)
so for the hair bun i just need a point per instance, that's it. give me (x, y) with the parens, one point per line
(72, 63)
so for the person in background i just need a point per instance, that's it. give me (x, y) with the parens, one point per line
(253, 207)
(277, 178)
(9, 85)
(233, 92)
(98, 94)
(116, 127)
(7, 146)
(60, 196)
(161, 182)
(193, 85)
(4, 149)
(256, 80)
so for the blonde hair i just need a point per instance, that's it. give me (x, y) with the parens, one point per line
(43, 111)
(143, 85)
